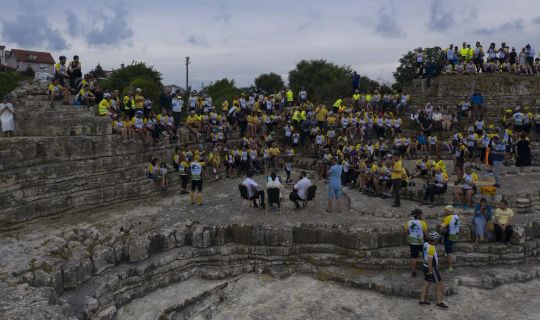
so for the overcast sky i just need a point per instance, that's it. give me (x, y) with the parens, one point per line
(241, 39)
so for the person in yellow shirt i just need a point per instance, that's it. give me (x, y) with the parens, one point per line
(431, 271)
(139, 100)
(397, 174)
(58, 92)
(416, 230)
(356, 98)
(337, 105)
(451, 227)
(503, 222)
(104, 107)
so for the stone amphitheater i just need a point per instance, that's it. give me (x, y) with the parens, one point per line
(82, 236)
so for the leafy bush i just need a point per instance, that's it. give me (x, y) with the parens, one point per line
(123, 79)
(406, 71)
(222, 90)
(9, 81)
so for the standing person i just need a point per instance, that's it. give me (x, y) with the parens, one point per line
(60, 71)
(299, 192)
(355, 81)
(253, 190)
(503, 222)
(74, 72)
(138, 100)
(6, 118)
(523, 152)
(416, 230)
(334, 186)
(477, 100)
(397, 173)
(482, 216)
(450, 227)
(177, 105)
(431, 272)
(498, 151)
(195, 167)
(165, 100)
(183, 166)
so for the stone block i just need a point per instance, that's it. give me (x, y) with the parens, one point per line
(138, 248)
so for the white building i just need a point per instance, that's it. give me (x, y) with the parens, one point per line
(21, 60)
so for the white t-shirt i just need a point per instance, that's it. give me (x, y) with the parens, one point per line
(251, 186)
(302, 186)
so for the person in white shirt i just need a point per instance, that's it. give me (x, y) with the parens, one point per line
(274, 183)
(253, 192)
(177, 106)
(300, 190)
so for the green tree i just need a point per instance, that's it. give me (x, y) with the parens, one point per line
(149, 89)
(123, 78)
(325, 81)
(98, 71)
(269, 83)
(9, 81)
(222, 90)
(406, 71)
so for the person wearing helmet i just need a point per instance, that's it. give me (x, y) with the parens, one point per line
(416, 230)
(431, 271)
(450, 228)
(60, 70)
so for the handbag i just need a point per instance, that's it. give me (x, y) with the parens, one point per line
(490, 226)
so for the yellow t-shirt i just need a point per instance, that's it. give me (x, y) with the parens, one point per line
(397, 170)
(503, 216)
(139, 101)
(321, 114)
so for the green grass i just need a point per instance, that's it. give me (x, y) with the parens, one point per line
(9, 81)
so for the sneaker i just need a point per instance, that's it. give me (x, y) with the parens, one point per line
(497, 185)
(424, 303)
(442, 305)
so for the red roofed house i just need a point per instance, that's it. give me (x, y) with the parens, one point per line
(20, 60)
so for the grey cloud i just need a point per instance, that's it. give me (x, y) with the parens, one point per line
(312, 17)
(386, 24)
(109, 27)
(31, 29)
(439, 18)
(197, 40)
(506, 27)
(223, 15)
(536, 20)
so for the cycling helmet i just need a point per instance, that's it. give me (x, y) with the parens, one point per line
(75, 57)
(62, 58)
(416, 212)
(434, 235)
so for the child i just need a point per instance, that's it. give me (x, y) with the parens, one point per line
(288, 168)
(183, 172)
(163, 175)
(152, 170)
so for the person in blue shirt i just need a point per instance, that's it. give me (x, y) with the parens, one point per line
(477, 100)
(334, 186)
(482, 214)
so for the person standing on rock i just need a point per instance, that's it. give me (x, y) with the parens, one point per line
(431, 271)
(195, 167)
(334, 186)
(6, 118)
(450, 228)
(416, 230)
(523, 152)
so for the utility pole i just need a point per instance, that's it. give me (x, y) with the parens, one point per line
(188, 61)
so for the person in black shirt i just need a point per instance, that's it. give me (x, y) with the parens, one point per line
(513, 56)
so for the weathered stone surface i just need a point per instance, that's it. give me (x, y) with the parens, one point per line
(138, 248)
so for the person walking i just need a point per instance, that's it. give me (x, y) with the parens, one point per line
(334, 186)
(431, 272)
(416, 230)
(450, 228)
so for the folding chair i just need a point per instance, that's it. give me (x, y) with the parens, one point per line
(311, 191)
(273, 196)
(243, 195)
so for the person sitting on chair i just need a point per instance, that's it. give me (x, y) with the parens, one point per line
(253, 192)
(300, 190)
(274, 183)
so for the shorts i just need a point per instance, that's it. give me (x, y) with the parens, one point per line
(448, 244)
(334, 192)
(153, 177)
(196, 185)
(415, 250)
(435, 277)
